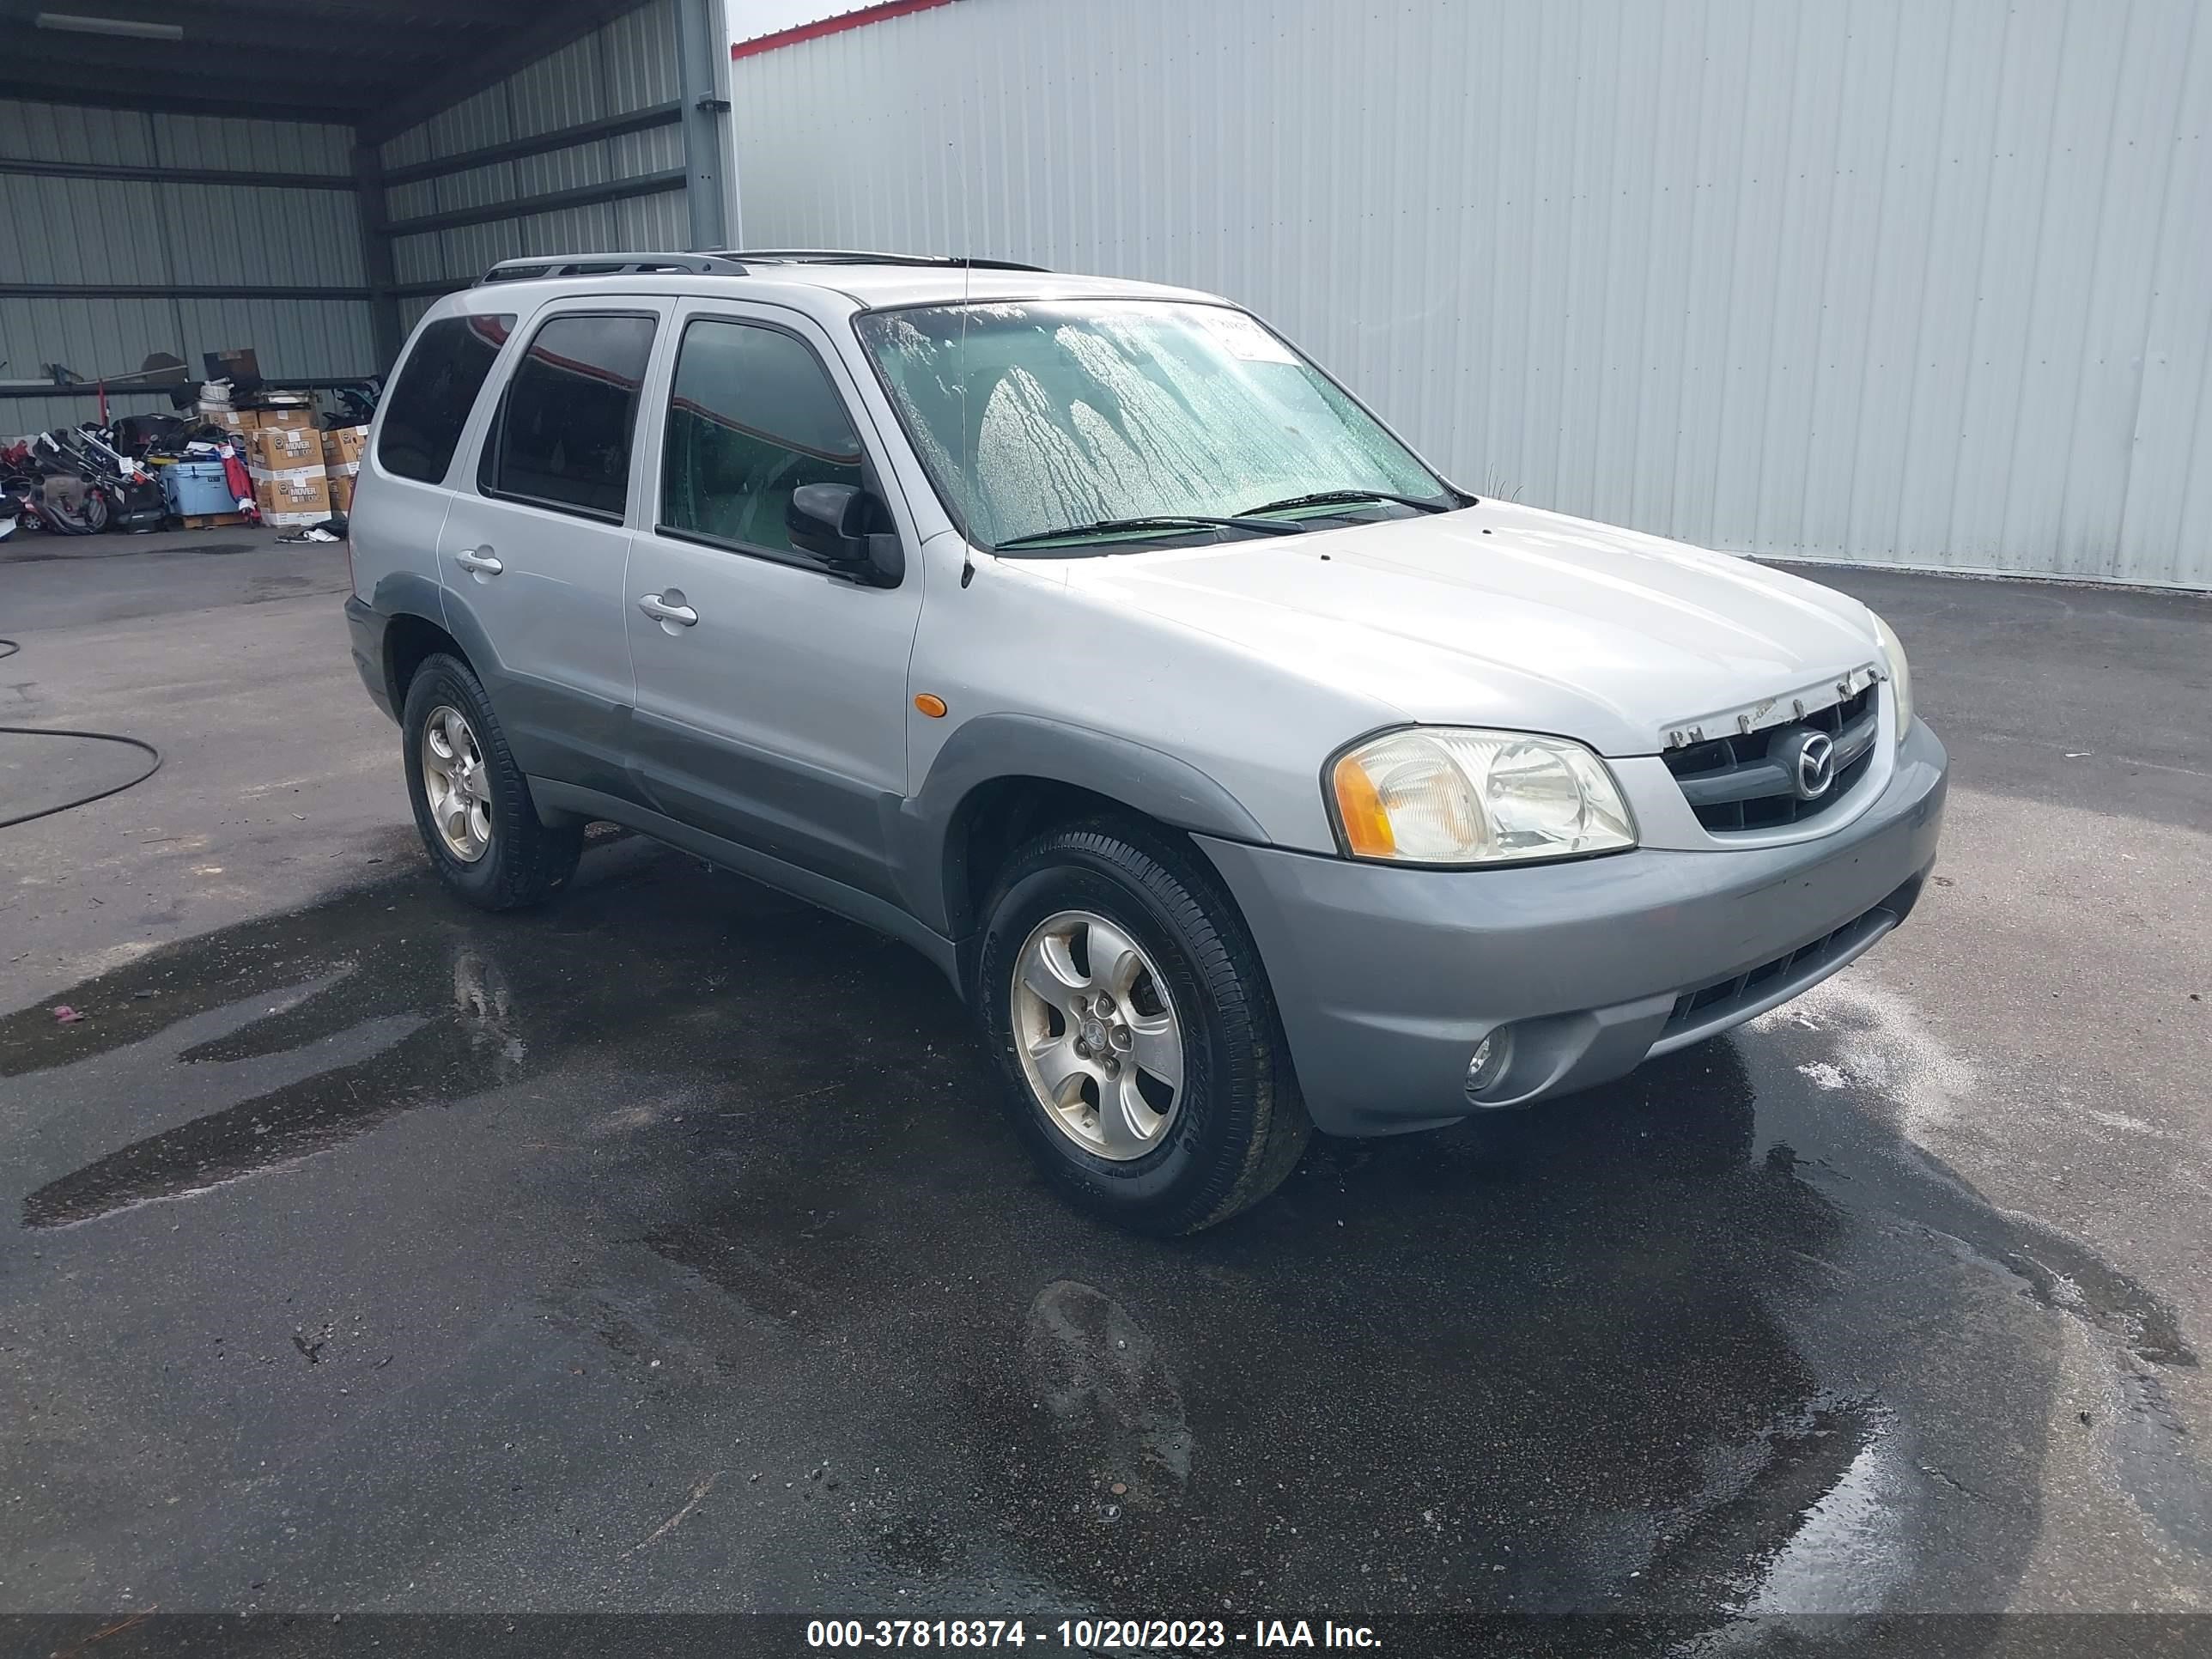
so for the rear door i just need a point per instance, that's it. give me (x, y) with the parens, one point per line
(772, 709)
(534, 546)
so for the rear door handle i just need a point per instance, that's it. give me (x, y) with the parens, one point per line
(478, 560)
(653, 607)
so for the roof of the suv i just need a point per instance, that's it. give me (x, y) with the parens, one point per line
(850, 282)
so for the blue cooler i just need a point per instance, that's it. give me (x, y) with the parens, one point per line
(197, 488)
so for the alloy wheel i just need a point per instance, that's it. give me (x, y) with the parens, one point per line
(1099, 1039)
(457, 784)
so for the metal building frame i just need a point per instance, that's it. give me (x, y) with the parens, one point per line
(379, 99)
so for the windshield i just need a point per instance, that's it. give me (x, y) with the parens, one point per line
(1089, 412)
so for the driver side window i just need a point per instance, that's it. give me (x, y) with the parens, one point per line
(753, 416)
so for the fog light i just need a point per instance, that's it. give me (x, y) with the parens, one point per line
(1487, 1063)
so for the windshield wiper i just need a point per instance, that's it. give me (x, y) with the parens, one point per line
(1161, 521)
(1348, 498)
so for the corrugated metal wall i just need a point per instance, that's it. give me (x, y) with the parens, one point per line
(1921, 282)
(628, 66)
(118, 233)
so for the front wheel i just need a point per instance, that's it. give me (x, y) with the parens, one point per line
(1142, 1055)
(473, 805)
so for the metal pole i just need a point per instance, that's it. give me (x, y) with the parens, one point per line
(376, 256)
(699, 39)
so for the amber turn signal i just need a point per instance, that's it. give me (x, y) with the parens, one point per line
(1359, 808)
(930, 705)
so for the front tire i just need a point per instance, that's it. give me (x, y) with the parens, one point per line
(473, 805)
(1132, 1022)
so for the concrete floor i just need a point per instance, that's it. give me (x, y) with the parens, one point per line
(664, 1250)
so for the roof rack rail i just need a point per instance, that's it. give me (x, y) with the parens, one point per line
(613, 264)
(842, 256)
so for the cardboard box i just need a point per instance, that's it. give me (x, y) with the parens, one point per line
(294, 498)
(292, 417)
(342, 485)
(239, 420)
(344, 447)
(286, 449)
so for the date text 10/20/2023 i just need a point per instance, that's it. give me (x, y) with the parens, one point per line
(1087, 1635)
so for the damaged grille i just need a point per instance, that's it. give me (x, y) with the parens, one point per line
(1752, 780)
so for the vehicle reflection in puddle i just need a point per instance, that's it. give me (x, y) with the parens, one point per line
(1713, 1339)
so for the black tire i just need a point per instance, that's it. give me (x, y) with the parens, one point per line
(528, 860)
(1240, 1124)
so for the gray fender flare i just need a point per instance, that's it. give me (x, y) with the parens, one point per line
(993, 746)
(409, 593)
(453, 613)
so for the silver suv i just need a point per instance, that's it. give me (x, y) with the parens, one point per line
(1244, 775)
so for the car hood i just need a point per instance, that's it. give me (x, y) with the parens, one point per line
(1508, 616)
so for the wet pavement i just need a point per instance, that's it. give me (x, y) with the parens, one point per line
(665, 1249)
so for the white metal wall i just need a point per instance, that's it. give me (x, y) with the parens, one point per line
(1922, 283)
(628, 64)
(129, 234)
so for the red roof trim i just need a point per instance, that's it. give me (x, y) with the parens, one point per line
(851, 20)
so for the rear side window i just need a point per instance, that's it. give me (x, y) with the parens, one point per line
(753, 416)
(564, 432)
(430, 403)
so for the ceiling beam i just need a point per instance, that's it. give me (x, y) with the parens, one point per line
(249, 22)
(550, 28)
(540, 143)
(174, 291)
(172, 66)
(159, 175)
(522, 207)
(62, 85)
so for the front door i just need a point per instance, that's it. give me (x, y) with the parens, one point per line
(771, 694)
(534, 545)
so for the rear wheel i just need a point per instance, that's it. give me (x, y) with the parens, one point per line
(1125, 1003)
(473, 805)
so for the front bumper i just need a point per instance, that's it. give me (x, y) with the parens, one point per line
(1388, 976)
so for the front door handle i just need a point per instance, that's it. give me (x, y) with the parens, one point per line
(480, 560)
(655, 607)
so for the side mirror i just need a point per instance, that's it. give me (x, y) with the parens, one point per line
(848, 529)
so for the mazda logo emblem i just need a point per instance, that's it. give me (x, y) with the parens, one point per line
(1813, 767)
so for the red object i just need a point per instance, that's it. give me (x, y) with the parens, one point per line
(65, 1014)
(239, 482)
(851, 20)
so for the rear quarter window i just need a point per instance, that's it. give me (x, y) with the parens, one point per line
(438, 386)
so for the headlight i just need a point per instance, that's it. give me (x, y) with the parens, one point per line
(1448, 795)
(1901, 674)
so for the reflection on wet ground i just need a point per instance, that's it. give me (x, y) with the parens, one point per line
(388, 1255)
